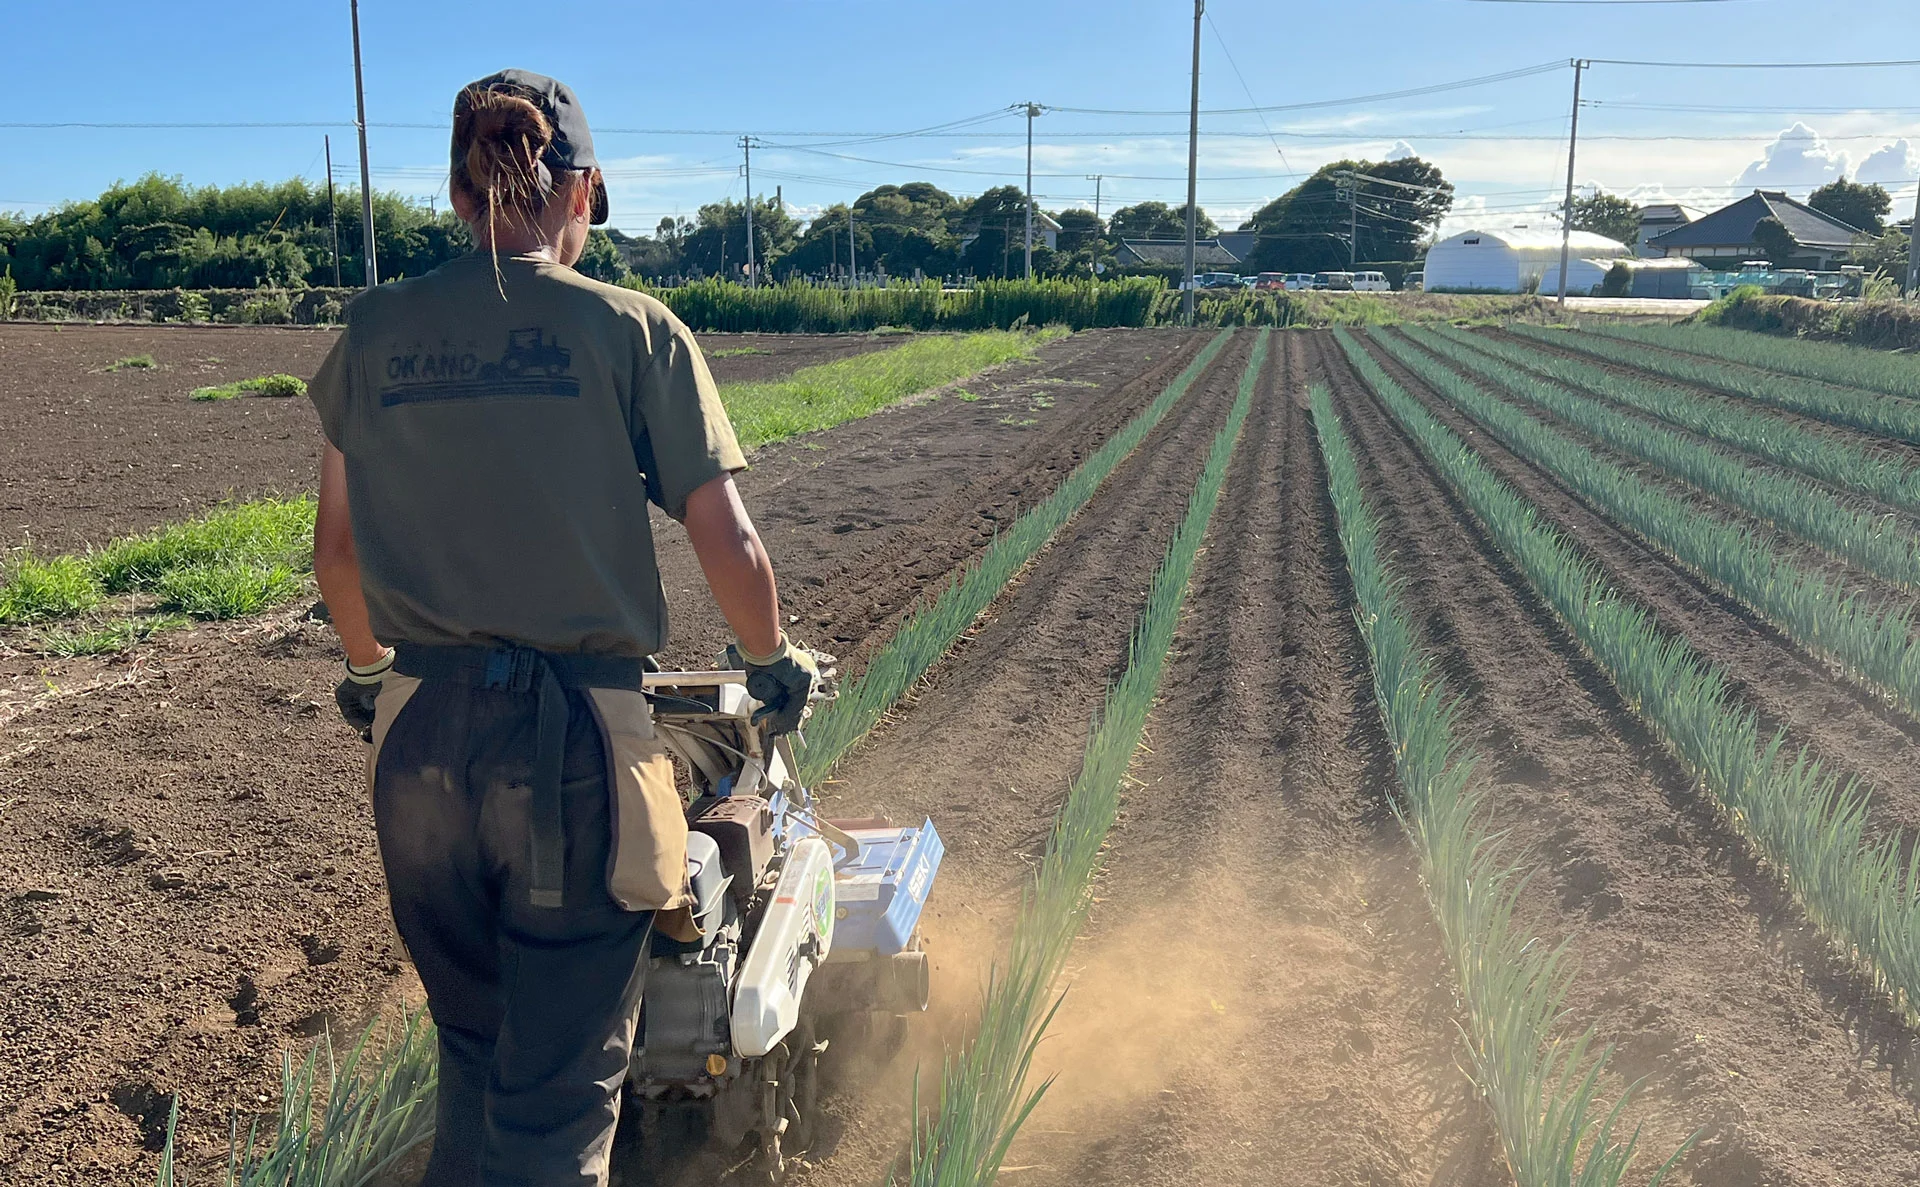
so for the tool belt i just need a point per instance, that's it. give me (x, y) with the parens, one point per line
(614, 689)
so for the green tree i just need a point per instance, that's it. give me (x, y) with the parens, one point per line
(1079, 230)
(1607, 214)
(1885, 253)
(1775, 242)
(1862, 207)
(718, 244)
(1157, 220)
(602, 258)
(1393, 206)
(993, 227)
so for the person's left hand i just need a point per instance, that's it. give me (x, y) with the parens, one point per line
(783, 683)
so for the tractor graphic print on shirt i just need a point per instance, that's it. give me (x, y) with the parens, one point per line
(533, 365)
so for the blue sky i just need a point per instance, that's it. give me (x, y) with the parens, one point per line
(688, 79)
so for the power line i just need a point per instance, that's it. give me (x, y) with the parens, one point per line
(1411, 92)
(1753, 65)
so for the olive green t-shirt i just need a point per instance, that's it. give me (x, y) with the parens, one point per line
(501, 453)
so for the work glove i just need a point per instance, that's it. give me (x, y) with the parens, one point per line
(784, 682)
(355, 695)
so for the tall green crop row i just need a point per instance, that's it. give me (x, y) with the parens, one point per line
(796, 307)
(1876, 413)
(984, 1097)
(1831, 362)
(1539, 1082)
(1877, 543)
(1876, 648)
(1809, 827)
(931, 631)
(1878, 473)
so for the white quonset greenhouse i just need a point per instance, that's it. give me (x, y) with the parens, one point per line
(1513, 260)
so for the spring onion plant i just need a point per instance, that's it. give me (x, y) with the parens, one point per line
(1831, 362)
(1808, 826)
(1541, 1082)
(1872, 411)
(984, 1096)
(1875, 647)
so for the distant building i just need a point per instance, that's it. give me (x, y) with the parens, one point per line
(1726, 236)
(1240, 243)
(1658, 219)
(1046, 232)
(1516, 260)
(1208, 255)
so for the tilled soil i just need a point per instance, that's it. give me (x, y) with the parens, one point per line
(1714, 986)
(188, 881)
(88, 454)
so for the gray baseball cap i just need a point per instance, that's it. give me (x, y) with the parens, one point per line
(572, 146)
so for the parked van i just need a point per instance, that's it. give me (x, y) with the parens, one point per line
(1415, 282)
(1299, 280)
(1371, 282)
(1337, 281)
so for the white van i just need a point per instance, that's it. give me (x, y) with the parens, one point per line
(1371, 282)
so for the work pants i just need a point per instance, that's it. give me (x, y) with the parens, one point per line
(535, 1006)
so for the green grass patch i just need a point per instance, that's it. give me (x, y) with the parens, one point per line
(734, 352)
(56, 587)
(815, 398)
(265, 532)
(983, 1094)
(233, 589)
(1809, 827)
(1540, 1082)
(107, 638)
(264, 385)
(137, 362)
(930, 631)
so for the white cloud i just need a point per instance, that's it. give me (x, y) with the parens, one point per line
(1400, 151)
(1894, 163)
(1797, 159)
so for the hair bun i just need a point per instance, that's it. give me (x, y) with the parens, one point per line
(505, 136)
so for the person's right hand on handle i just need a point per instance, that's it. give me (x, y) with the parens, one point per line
(783, 682)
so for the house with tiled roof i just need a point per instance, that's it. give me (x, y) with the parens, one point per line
(1726, 236)
(1208, 254)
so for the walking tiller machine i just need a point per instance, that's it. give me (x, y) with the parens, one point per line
(809, 927)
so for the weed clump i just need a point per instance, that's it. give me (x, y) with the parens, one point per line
(37, 589)
(138, 362)
(267, 532)
(264, 385)
(231, 590)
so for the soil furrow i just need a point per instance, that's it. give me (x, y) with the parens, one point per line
(1688, 956)
(1844, 723)
(989, 744)
(1260, 995)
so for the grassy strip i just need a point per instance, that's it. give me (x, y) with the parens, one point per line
(347, 1131)
(1831, 362)
(1899, 419)
(1801, 820)
(1876, 648)
(137, 362)
(983, 1093)
(931, 631)
(1880, 474)
(1513, 987)
(1877, 543)
(822, 396)
(235, 560)
(265, 385)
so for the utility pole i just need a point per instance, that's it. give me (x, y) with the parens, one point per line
(1913, 248)
(1566, 216)
(853, 261)
(333, 212)
(1033, 109)
(1353, 220)
(1096, 179)
(366, 176)
(1193, 166)
(746, 146)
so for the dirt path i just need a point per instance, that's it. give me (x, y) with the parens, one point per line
(88, 454)
(1715, 988)
(188, 881)
(989, 745)
(1845, 724)
(1260, 995)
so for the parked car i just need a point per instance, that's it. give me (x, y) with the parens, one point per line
(1270, 281)
(1341, 282)
(1415, 282)
(1371, 282)
(1218, 280)
(1299, 280)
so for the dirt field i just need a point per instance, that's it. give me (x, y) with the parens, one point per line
(89, 453)
(189, 879)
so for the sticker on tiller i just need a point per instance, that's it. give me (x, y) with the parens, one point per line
(858, 888)
(917, 889)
